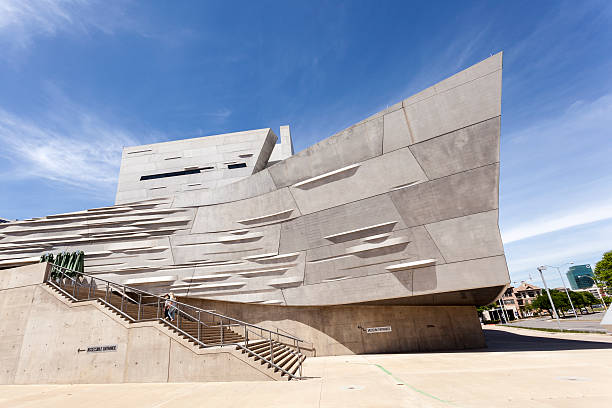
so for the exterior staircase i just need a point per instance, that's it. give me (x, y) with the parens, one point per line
(203, 328)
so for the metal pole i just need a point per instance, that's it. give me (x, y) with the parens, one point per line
(566, 292)
(601, 297)
(504, 313)
(199, 324)
(556, 315)
(221, 319)
(139, 304)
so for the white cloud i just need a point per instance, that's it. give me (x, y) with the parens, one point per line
(70, 146)
(21, 21)
(558, 221)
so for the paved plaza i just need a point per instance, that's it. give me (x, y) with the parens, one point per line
(520, 368)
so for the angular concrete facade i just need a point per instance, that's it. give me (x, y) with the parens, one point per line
(400, 209)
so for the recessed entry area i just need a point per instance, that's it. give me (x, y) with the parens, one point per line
(175, 173)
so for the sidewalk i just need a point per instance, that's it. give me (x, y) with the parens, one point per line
(586, 323)
(519, 368)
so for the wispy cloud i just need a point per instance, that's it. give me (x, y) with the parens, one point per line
(580, 244)
(69, 145)
(558, 221)
(22, 21)
(556, 173)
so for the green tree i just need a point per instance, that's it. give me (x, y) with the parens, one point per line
(603, 271)
(590, 299)
(560, 299)
(578, 300)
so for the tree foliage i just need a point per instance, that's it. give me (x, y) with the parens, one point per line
(603, 270)
(579, 299)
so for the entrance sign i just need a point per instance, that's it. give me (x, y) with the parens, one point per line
(384, 329)
(102, 349)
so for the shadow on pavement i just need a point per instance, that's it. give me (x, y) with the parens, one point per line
(498, 340)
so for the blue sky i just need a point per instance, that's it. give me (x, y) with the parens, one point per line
(81, 79)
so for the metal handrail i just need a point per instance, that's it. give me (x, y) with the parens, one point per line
(179, 307)
(240, 322)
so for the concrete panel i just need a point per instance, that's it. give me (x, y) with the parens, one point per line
(455, 108)
(147, 360)
(454, 196)
(369, 216)
(476, 273)
(353, 145)
(365, 180)
(185, 366)
(351, 259)
(353, 290)
(270, 208)
(53, 335)
(469, 237)
(397, 133)
(464, 149)
(341, 329)
(255, 185)
(15, 306)
(22, 276)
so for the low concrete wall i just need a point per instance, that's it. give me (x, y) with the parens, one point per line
(23, 276)
(339, 330)
(41, 334)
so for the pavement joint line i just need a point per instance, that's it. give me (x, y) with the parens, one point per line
(399, 380)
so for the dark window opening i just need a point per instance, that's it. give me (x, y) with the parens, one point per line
(236, 166)
(174, 173)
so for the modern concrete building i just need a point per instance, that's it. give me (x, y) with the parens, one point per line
(390, 223)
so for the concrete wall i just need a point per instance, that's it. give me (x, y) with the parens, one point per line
(339, 330)
(41, 333)
(210, 154)
(401, 208)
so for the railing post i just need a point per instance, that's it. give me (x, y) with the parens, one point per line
(298, 350)
(271, 349)
(139, 304)
(199, 324)
(221, 319)
(158, 308)
(246, 336)
(74, 287)
(91, 280)
(122, 297)
(106, 294)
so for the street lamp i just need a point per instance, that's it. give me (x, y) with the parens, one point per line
(556, 315)
(565, 287)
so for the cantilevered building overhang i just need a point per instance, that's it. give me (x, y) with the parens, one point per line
(399, 209)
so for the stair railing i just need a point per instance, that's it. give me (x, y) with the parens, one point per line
(74, 284)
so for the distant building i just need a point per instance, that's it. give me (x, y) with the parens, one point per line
(581, 277)
(525, 294)
(3, 220)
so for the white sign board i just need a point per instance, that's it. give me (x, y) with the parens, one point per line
(101, 349)
(384, 329)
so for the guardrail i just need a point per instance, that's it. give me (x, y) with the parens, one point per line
(81, 283)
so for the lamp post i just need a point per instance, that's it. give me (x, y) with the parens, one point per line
(565, 287)
(556, 315)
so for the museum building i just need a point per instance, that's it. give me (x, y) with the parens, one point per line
(381, 238)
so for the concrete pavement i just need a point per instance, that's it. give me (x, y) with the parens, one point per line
(520, 368)
(588, 323)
